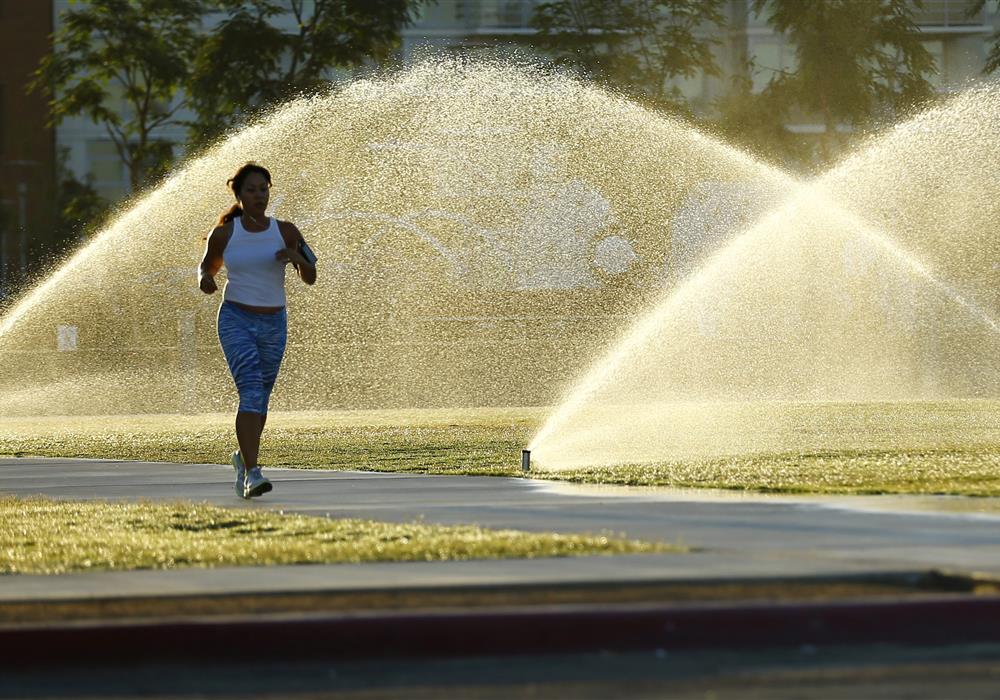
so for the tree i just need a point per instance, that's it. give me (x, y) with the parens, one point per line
(753, 121)
(993, 59)
(639, 45)
(121, 63)
(80, 210)
(858, 61)
(248, 62)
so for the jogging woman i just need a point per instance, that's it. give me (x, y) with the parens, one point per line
(255, 249)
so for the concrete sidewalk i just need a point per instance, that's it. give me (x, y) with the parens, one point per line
(738, 537)
(419, 610)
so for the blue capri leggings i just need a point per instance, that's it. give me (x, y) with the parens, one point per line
(253, 344)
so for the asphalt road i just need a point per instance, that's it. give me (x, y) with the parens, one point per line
(955, 673)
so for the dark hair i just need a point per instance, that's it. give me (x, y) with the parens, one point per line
(236, 184)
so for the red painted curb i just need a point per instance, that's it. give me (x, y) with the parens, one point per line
(941, 620)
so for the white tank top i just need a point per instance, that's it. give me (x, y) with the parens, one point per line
(253, 274)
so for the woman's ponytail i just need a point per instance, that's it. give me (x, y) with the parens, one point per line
(230, 214)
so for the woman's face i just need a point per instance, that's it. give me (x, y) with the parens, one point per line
(254, 194)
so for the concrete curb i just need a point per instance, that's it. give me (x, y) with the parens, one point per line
(554, 629)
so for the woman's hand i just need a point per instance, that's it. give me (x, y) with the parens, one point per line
(207, 284)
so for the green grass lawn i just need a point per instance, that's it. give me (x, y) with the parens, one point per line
(459, 441)
(43, 536)
(974, 472)
(944, 447)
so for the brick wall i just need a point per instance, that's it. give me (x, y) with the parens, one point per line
(27, 146)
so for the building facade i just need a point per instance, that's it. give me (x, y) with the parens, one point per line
(959, 42)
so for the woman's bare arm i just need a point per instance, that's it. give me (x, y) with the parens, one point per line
(211, 263)
(292, 236)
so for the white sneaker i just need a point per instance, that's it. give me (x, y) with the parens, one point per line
(256, 483)
(241, 475)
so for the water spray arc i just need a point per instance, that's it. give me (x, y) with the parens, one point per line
(640, 334)
(438, 290)
(974, 330)
(463, 238)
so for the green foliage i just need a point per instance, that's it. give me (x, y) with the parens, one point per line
(859, 62)
(247, 63)
(132, 65)
(754, 121)
(121, 63)
(80, 211)
(636, 45)
(993, 59)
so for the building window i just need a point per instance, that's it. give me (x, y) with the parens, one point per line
(693, 88)
(441, 14)
(110, 178)
(772, 57)
(936, 50)
(949, 13)
(505, 13)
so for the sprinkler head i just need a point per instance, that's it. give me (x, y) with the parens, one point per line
(525, 460)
